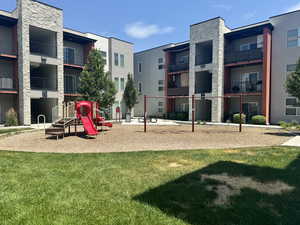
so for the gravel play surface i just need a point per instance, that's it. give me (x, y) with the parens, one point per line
(132, 138)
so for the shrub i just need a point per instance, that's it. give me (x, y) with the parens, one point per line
(258, 119)
(283, 124)
(200, 122)
(236, 118)
(182, 116)
(11, 118)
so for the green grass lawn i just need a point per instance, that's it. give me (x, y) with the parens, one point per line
(8, 131)
(153, 188)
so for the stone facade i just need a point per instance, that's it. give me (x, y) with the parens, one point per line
(211, 30)
(32, 13)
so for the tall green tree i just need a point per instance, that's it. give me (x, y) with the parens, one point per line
(130, 95)
(95, 84)
(293, 82)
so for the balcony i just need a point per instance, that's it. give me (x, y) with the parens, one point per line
(244, 87)
(43, 83)
(43, 49)
(243, 56)
(7, 83)
(178, 67)
(180, 91)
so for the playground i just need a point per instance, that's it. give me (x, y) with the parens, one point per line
(123, 138)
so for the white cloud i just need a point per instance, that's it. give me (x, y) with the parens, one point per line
(293, 8)
(249, 15)
(141, 30)
(222, 6)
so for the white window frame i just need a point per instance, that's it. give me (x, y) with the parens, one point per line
(293, 38)
(116, 59)
(122, 87)
(122, 62)
(292, 107)
(140, 87)
(117, 85)
(66, 47)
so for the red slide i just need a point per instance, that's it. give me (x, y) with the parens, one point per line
(88, 125)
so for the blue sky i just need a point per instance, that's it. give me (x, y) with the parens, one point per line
(150, 23)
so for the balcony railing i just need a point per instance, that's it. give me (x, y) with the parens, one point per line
(180, 91)
(44, 49)
(242, 56)
(43, 83)
(244, 87)
(7, 83)
(178, 67)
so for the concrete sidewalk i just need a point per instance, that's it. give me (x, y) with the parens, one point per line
(294, 142)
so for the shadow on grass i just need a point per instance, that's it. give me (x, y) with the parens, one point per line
(193, 199)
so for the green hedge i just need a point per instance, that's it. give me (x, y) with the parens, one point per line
(236, 118)
(258, 119)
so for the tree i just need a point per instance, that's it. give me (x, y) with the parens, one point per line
(95, 84)
(293, 82)
(130, 95)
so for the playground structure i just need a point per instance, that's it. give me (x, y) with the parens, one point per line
(193, 100)
(86, 113)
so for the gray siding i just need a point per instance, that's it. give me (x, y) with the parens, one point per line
(126, 49)
(281, 57)
(149, 78)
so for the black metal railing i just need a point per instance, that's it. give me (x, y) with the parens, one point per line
(43, 49)
(178, 91)
(7, 83)
(43, 83)
(242, 56)
(244, 87)
(178, 67)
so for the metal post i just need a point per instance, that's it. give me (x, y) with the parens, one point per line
(241, 111)
(193, 113)
(145, 113)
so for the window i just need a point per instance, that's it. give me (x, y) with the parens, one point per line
(292, 107)
(160, 88)
(260, 41)
(117, 83)
(160, 67)
(140, 87)
(291, 67)
(160, 82)
(160, 110)
(184, 107)
(160, 60)
(70, 84)
(116, 55)
(140, 67)
(122, 84)
(69, 55)
(160, 104)
(293, 38)
(122, 60)
(244, 47)
(104, 56)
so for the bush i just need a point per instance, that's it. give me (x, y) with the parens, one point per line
(11, 118)
(182, 116)
(258, 119)
(236, 118)
(200, 122)
(294, 125)
(283, 124)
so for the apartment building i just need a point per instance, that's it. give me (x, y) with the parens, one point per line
(149, 67)
(252, 61)
(41, 61)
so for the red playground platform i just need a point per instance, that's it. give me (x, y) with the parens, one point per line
(87, 113)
